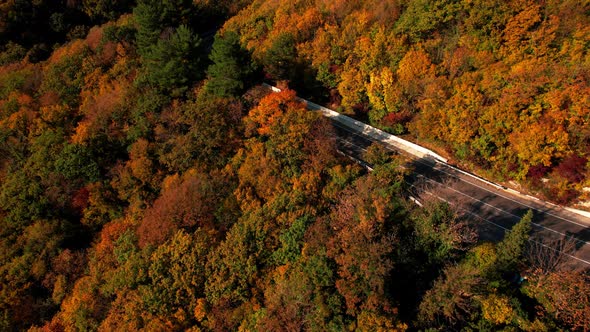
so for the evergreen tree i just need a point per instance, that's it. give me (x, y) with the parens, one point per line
(148, 15)
(231, 66)
(172, 64)
(511, 248)
(154, 16)
(279, 60)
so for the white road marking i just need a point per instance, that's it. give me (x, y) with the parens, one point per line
(508, 198)
(508, 213)
(352, 144)
(487, 190)
(462, 179)
(502, 227)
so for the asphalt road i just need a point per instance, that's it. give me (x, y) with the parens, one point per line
(491, 211)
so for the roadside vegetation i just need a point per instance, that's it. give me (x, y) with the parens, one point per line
(148, 182)
(499, 87)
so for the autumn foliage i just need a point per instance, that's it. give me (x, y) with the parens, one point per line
(148, 183)
(499, 86)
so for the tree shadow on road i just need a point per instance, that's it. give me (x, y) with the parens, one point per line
(490, 215)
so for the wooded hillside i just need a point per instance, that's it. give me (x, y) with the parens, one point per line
(501, 86)
(148, 182)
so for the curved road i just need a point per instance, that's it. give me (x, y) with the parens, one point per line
(492, 210)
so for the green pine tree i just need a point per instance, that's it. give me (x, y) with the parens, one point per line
(231, 66)
(511, 248)
(173, 64)
(279, 60)
(148, 14)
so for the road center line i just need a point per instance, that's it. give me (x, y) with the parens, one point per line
(460, 178)
(506, 212)
(504, 228)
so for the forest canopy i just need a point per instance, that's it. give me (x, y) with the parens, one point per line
(498, 86)
(149, 182)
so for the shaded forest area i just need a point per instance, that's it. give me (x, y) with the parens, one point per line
(147, 182)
